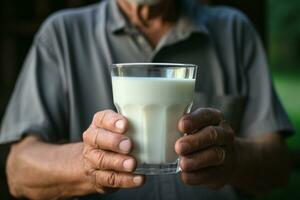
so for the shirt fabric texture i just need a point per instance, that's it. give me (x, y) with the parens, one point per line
(65, 79)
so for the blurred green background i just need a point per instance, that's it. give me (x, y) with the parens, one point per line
(283, 21)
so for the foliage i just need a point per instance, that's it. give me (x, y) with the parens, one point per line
(284, 28)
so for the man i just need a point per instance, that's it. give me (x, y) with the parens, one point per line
(68, 141)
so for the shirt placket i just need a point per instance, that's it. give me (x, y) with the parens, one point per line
(142, 43)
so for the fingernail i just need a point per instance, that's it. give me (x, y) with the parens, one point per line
(125, 145)
(120, 124)
(185, 147)
(138, 180)
(128, 164)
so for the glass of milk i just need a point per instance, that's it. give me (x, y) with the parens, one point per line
(153, 97)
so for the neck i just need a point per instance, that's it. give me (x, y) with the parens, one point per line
(154, 21)
(166, 12)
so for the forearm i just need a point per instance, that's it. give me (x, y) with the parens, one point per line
(39, 170)
(262, 164)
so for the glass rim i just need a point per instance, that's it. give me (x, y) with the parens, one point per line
(149, 65)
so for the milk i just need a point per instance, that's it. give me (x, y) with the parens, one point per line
(153, 107)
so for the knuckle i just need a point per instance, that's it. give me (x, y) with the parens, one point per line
(227, 126)
(101, 159)
(98, 177)
(213, 134)
(100, 116)
(85, 136)
(96, 137)
(85, 153)
(89, 171)
(199, 143)
(97, 116)
(106, 119)
(220, 155)
(112, 179)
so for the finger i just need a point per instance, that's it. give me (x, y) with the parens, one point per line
(211, 177)
(209, 136)
(212, 156)
(111, 121)
(227, 127)
(118, 179)
(199, 119)
(106, 160)
(106, 140)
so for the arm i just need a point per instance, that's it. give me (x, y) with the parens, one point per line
(263, 163)
(45, 171)
(213, 156)
(38, 170)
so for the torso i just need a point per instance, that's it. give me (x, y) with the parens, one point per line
(91, 52)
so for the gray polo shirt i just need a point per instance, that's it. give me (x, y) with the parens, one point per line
(66, 79)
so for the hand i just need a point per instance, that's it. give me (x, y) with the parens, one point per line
(207, 152)
(106, 148)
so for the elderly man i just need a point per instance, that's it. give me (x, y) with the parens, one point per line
(68, 141)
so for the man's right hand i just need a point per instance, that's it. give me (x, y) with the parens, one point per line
(105, 153)
(39, 170)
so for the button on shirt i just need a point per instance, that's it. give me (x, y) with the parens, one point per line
(66, 79)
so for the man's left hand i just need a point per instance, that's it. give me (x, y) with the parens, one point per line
(207, 152)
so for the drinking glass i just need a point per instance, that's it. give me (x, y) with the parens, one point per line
(153, 97)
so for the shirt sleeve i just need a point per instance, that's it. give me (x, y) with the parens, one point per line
(264, 112)
(38, 103)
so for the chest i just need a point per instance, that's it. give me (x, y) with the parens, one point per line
(90, 73)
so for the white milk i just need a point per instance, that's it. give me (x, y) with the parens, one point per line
(153, 107)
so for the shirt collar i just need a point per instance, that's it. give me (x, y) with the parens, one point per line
(193, 17)
(116, 19)
(191, 20)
